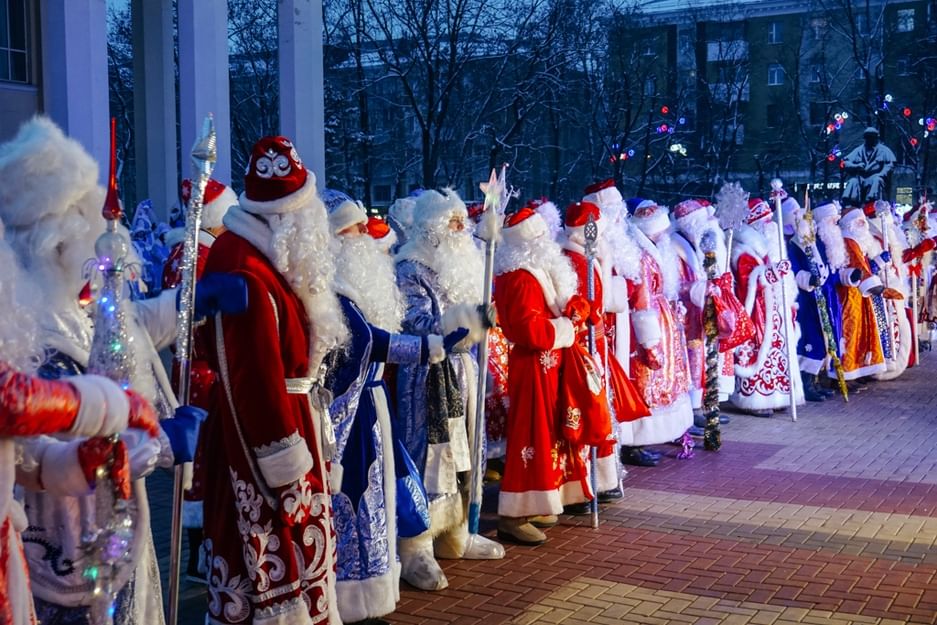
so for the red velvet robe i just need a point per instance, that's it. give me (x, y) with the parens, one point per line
(268, 530)
(542, 472)
(626, 401)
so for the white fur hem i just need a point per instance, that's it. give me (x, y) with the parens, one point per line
(868, 284)
(529, 503)
(61, 472)
(845, 276)
(572, 492)
(445, 513)
(564, 334)
(696, 398)
(616, 295)
(646, 327)
(810, 366)
(287, 204)
(373, 597)
(862, 372)
(774, 401)
(666, 423)
(606, 472)
(286, 465)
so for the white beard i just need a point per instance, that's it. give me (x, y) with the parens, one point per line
(542, 253)
(863, 236)
(698, 223)
(366, 276)
(460, 268)
(19, 332)
(769, 230)
(618, 246)
(304, 252)
(832, 236)
(669, 265)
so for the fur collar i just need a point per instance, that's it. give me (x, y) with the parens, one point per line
(253, 229)
(749, 241)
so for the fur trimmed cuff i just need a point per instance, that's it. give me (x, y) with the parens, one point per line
(845, 276)
(646, 327)
(465, 316)
(802, 278)
(103, 407)
(437, 353)
(866, 286)
(698, 293)
(284, 461)
(60, 470)
(616, 295)
(564, 333)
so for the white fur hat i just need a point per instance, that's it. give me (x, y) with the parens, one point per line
(45, 172)
(345, 215)
(850, 217)
(434, 209)
(218, 199)
(651, 218)
(826, 211)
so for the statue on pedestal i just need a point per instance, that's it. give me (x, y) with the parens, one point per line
(867, 170)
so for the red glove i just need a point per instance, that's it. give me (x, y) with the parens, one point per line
(142, 415)
(97, 452)
(578, 309)
(912, 254)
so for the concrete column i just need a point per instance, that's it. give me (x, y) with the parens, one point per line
(154, 104)
(74, 72)
(203, 79)
(302, 100)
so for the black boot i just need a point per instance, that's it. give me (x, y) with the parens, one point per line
(638, 457)
(195, 546)
(810, 387)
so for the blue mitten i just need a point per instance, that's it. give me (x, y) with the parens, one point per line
(220, 292)
(453, 338)
(182, 432)
(885, 256)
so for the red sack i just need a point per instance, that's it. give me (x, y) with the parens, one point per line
(735, 326)
(626, 399)
(584, 416)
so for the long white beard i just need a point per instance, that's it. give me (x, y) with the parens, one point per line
(863, 236)
(769, 230)
(19, 332)
(541, 253)
(460, 268)
(366, 275)
(617, 245)
(698, 223)
(669, 265)
(832, 236)
(304, 252)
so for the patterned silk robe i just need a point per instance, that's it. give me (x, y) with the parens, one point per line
(268, 529)
(862, 346)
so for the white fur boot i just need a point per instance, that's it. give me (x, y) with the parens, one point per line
(418, 567)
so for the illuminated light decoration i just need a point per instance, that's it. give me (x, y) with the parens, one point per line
(681, 121)
(888, 98)
(615, 147)
(920, 121)
(670, 130)
(611, 159)
(838, 117)
(906, 112)
(839, 125)
(664, 109)
(631, 152)
(845, 115)
(831, 157)
(830, 128)
(842, 164)
(664, 127)
(913, 141)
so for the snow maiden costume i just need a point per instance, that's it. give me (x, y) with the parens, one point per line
(440, 273)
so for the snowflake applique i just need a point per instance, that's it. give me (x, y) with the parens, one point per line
(549, 360)
(527, 454)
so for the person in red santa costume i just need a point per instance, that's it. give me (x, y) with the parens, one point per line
(542, 472)
(625, 403)
(863, 355)
(693, 220)
(658, 357)
(78, 406)
(217, 200)
(890, 244)
(765, 366)
(268, 531)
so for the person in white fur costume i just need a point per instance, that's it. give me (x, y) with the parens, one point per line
(659, 363)
(80, 406)
(51, 204)
(888, 247)
(766, 368)
(440, 272)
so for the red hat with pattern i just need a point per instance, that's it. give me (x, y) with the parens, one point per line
(650, 218)
(758, 210)
(603, 193)
(216, 202)
(577, 214)
(686, 208)
(276, 180)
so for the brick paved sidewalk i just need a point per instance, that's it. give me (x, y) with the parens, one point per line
(832, 519)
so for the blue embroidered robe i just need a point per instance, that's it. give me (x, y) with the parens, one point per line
(811, 347)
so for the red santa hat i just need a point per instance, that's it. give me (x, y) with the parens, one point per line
(869, 208)
(758, 210)
(381, 232)
(602, 193)
(851, 217)
(216, 202)
(276, 181)
(345, 215)
(686, 208)
(650, 218)
(577, 216)
(524, 225)
(475, 210)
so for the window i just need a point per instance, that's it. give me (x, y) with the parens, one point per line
(14, 58)
(905, 20)
(817, 74)
(381, 193)
(774, 32)
(775, 75)
(862, 24)
(903, 66)
(649, 48)
(650, 86)
(773, 116)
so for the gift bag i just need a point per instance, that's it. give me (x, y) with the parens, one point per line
(584, 416)
(735, 326)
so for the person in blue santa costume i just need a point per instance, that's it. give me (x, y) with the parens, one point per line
(363, 471)
(816, 282)
(53, 217)
(440, 271)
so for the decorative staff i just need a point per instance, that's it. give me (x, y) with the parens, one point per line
(591, 236)
(826, 326)
(732, 206)
(776, 186)
(712, 438)
(108, 541)
(203, 158)
(497, 196)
